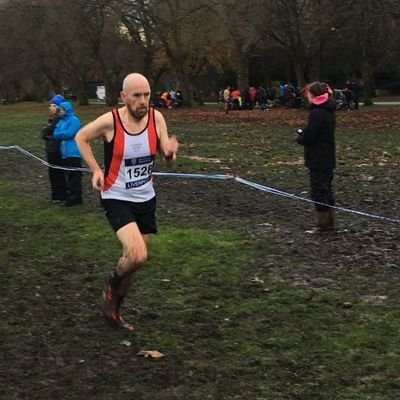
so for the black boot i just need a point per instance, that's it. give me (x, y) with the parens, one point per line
(332, 218)
(325, 221)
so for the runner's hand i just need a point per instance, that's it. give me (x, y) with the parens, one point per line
(171, 149)
(98, 180)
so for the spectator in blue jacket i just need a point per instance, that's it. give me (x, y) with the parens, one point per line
(66, 130)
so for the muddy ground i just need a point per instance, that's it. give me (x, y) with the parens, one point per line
(359, 259)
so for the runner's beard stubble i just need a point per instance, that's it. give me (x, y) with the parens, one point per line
(138, 113)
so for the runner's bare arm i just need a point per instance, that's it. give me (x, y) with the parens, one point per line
(101, 127)
(168, 145)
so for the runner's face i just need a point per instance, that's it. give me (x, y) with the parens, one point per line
(137, 100)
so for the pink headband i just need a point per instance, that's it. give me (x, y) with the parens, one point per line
(320, 99)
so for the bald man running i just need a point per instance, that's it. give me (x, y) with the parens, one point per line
(132, 136)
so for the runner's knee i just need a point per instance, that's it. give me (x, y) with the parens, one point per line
(136, 257)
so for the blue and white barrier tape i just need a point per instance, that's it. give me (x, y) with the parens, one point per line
(295, 197)
(195, 176)
(246, 182)
(27, 153)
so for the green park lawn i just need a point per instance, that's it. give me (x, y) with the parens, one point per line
(242, 301)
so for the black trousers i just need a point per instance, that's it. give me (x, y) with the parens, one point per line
(321, 189)
(58, 183)
(73, 179)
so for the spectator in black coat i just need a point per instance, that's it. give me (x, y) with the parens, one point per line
(52, 146)
(318, 139)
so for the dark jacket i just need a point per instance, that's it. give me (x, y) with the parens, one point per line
(51, 145)
(318, 137)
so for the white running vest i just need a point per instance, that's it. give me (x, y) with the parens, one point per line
(129, 161)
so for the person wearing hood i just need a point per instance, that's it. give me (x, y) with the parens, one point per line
(318, 139)
(66, 130)
(52, 147)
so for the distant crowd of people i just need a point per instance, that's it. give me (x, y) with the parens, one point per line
(287, 95)
(168, 99)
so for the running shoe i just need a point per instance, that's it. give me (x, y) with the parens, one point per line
(116, 321)
(110, 306)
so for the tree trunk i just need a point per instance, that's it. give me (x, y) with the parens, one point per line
(111, 96)
(242, 73)
(199, 95)
(187, 91)
(83, 99)
(300, 77)
(187, 88)
(112, 92)
(367, 76)
(315, 69)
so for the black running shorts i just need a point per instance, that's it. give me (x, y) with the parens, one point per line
(120, 213)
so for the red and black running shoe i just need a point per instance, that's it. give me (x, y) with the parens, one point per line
(116, 321)
(110, 308)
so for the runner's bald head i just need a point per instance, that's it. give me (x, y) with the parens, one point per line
(132, 80)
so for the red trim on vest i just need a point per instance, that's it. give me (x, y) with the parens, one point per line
(118, 152)
(152, 132)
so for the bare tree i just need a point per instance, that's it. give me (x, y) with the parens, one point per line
(56, 46)
(60, 48)
(244, 23)
(111, 47)
(376, 34)
(22, 75)
(304, 28)
(180, 37)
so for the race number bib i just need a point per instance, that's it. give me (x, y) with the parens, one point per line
(138, 171)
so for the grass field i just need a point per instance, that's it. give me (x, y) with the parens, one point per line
(241, 300)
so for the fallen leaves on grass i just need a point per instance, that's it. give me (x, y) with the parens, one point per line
(366, 118)
(153, 354)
